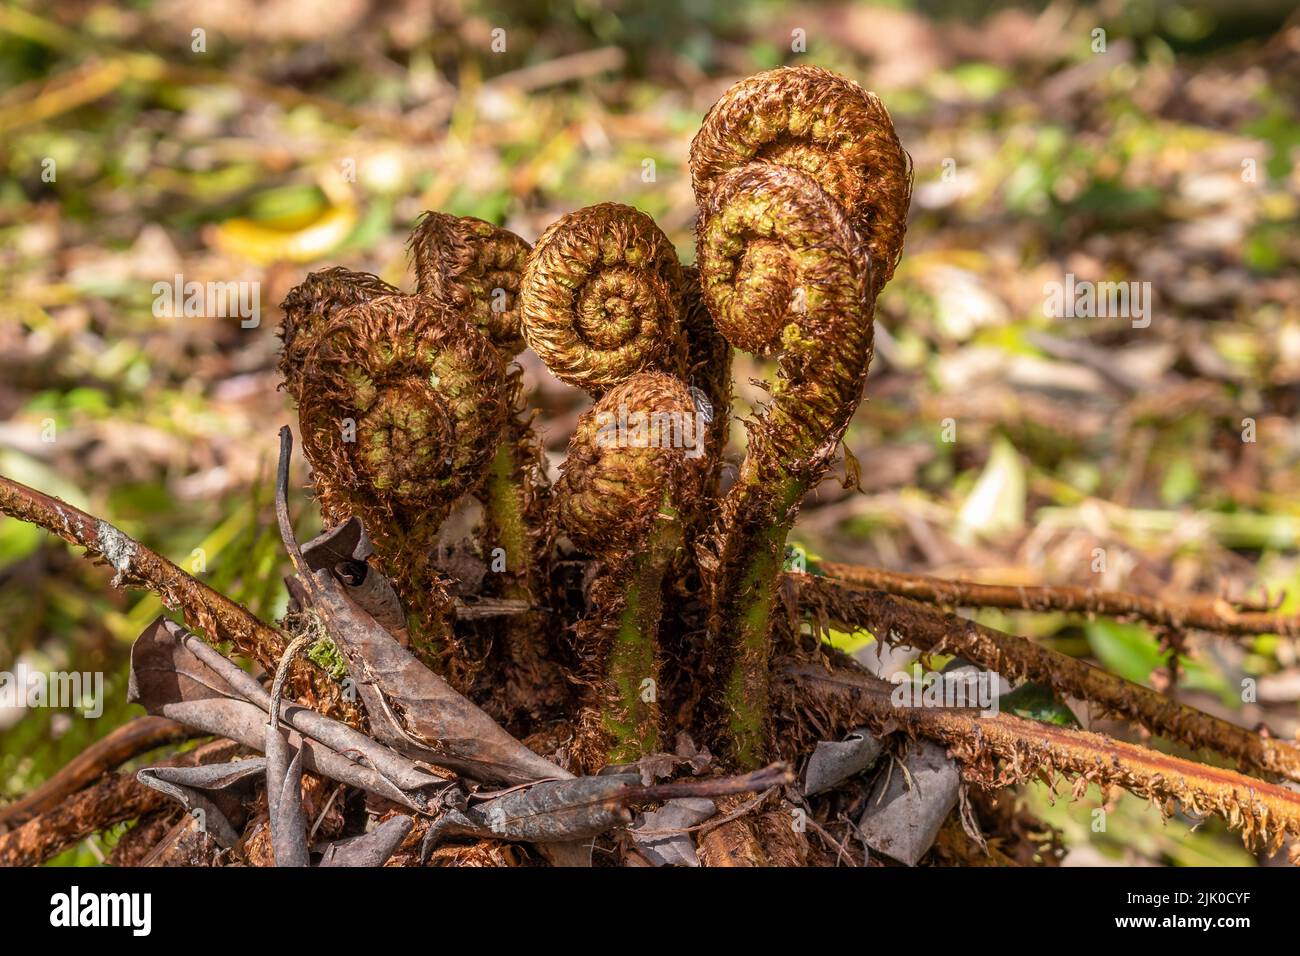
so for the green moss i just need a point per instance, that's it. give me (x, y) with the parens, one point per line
(325, 653)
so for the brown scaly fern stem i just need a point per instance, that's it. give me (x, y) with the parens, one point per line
(803, 191)
(623, 499)
(203, 608)
(601, 302)
(1216, 615)
(1002, 750)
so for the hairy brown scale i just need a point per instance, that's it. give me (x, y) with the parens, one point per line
(601, 297)
(474, 267)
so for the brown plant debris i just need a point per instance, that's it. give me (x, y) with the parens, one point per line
(203, 608)
(1002, 750)
(1200, 613)
(900, 620)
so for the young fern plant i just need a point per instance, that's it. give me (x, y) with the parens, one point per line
(476, 269)
(601, 304)
(803, 191)
(633, 473)
(402, 404)
(407, 406)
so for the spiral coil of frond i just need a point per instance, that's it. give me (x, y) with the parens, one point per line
(401, 409)
(402, 404)
(635, 467)
(474, 267)
(803, 191)
(309, 306)
(825, 126)
(601, 297)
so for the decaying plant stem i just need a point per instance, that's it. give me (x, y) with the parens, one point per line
(130, 740)
(203, 608)
(1218, 616)
(111, 799)
(903, 621)
(1027, 750)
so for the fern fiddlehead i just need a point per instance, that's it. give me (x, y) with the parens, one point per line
(803, 191)
(308, 307)
(634, 470)
(601, 297)
(474, 267)
(601, 303)
(401, 404)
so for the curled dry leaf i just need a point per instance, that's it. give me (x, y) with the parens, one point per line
(213, 794)
(176, 675)
(372, 848)
(413, 709)
(344, 550)
(834, 761)
(288, 820)
(663, 835)
(910, 802)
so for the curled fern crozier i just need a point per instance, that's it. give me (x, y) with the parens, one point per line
(635, 468)
(601, 297)
(803, 191)
(309, 306)
(474, 267)
(402, 405)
